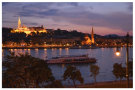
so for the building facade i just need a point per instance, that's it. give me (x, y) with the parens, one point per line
(87, 40)
(28, 30)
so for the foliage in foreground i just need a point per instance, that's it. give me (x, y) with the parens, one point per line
(94, 69)
(72, 73)
(25, 71)
(120, 72)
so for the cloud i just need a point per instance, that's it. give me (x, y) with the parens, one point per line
(30, 24)
(130, 6)
(5, 3)
(74, 4)
(8, 21)
(114, 20)
(91, 7)
(72, 12)
(50, 12)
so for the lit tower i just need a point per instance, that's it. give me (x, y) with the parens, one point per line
(19, 22)
(92, 36)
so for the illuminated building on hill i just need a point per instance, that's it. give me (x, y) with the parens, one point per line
(28, 30)
(87, 40)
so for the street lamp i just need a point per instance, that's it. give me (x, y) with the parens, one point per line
(127, 57)
(117, 53)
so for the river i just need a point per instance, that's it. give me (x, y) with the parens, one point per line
(105, 59)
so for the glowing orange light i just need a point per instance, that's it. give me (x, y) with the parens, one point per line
(26, 29)
(45, 49)
(117, 53)
(60, 48)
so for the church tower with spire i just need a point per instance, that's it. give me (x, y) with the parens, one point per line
(19, 22)
(92, 36)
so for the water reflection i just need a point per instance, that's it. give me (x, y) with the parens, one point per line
(45, 49)
(36, 52)
(60, 51)
(102, 49)
(29, 51)
(67, 51)
(45, 54)
(54, 53)
(105, 60)
(63, 65)
(2, 52)
(11, 50)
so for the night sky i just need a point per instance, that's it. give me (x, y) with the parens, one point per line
(105, 17)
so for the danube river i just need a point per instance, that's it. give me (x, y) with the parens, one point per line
(105, 59)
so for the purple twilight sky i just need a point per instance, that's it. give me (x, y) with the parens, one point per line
(105, 17)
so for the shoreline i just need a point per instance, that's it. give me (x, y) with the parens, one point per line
(106, 84)
(32, 47)
(57, 47)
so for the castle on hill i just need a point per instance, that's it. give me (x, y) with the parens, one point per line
(28, 30)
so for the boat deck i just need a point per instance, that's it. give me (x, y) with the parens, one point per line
(71, 60)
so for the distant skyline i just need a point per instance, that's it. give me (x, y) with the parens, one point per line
(105, 17)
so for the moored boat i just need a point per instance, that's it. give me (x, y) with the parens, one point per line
(71, 60)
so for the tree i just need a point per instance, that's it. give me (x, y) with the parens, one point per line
(94, 69)
(72, 73)
(130, 65)
(25, 71)
(119, 71)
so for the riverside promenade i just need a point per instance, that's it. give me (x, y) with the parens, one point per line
(109, 84)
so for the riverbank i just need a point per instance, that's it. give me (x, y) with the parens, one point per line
(55, 47)
(32, 47)
(109, 84)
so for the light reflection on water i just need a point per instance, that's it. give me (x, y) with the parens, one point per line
(60, 51)
(105, 59)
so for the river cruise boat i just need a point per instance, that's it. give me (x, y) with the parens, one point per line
(71, 60)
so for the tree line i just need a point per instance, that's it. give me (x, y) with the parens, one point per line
(25, 71)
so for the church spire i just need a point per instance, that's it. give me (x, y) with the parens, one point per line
(92, 36)
(19, 22)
